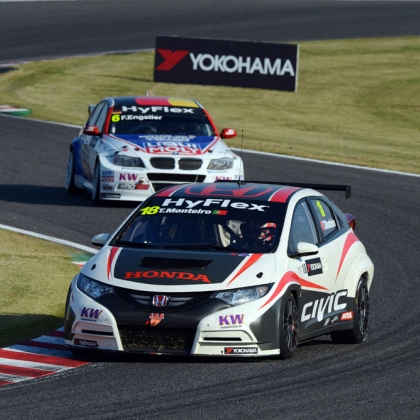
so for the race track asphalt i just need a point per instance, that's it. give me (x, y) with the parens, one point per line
(378, 379)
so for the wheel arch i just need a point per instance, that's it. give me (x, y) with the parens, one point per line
(362, 266)
(266, 328)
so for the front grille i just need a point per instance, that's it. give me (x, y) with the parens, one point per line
(174, 299)
(155, 339)
(190, 164)
(186, 164)
(163, 163)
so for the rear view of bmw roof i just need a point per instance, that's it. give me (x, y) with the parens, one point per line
(158, 105)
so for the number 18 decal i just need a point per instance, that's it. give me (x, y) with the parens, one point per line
(149, 210)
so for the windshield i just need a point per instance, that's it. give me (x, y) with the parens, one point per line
(160, 124)
(213, 224)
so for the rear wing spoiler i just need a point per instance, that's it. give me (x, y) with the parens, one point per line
(320, 187)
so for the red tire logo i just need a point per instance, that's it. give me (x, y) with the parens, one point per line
(171, 58)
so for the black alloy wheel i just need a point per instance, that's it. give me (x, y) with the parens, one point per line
(289, 327)
(359, 332)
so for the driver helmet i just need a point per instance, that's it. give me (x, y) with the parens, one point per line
(177, 128)
(263, 233)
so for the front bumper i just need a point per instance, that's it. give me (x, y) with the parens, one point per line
(137, 184)
(128, 322)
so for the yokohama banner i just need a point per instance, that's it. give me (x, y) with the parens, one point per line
(226, 63)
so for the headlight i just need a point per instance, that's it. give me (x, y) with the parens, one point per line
(129, 161)
(240, 296)
(93, 288)
(220, 164)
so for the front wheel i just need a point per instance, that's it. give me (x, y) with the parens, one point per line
(358, 333)
(70, 183)
(96, 190)
(289, 327)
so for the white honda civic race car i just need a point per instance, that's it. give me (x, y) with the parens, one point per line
(224, 269)
(131, 147)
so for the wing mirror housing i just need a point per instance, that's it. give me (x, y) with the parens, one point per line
(92, 130)
(228, 133)
(101, 239)
(305, 249)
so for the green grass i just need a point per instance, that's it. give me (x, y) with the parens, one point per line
(358, 101)
(34, 279)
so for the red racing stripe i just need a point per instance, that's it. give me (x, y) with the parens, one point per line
(283, 194)
(111, 257)
(288, 278)
(350, 240)
(305, 283)
(209, 146)
(252, 259)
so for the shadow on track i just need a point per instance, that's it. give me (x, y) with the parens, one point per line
(324, 343)
(55, 196)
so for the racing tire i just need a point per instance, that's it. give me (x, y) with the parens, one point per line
(358, 333)
(70, 183)
(289, 327)
(96, 189)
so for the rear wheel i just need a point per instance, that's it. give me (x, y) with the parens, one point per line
(289, 327)
(96, 190)
(70, 184)
(358, 333)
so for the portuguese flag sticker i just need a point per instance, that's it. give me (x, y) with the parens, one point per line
(220, 212)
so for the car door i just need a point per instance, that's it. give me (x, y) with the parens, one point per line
(316, 272)
(89, 142)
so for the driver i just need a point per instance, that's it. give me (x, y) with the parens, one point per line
(259, 234)
(177, 128)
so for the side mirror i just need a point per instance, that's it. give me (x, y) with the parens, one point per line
(228, 133)
(92, 130)
(101, 239)
(305, 249)
(351, 220)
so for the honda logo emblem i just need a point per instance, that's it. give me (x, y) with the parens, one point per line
(160, 300)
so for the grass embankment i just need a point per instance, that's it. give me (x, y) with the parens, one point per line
(34, 279)
(358, 101)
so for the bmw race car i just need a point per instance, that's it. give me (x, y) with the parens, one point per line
(131, 147)
(224, 269)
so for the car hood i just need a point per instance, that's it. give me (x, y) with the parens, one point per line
(171, 144)
(180, 270)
